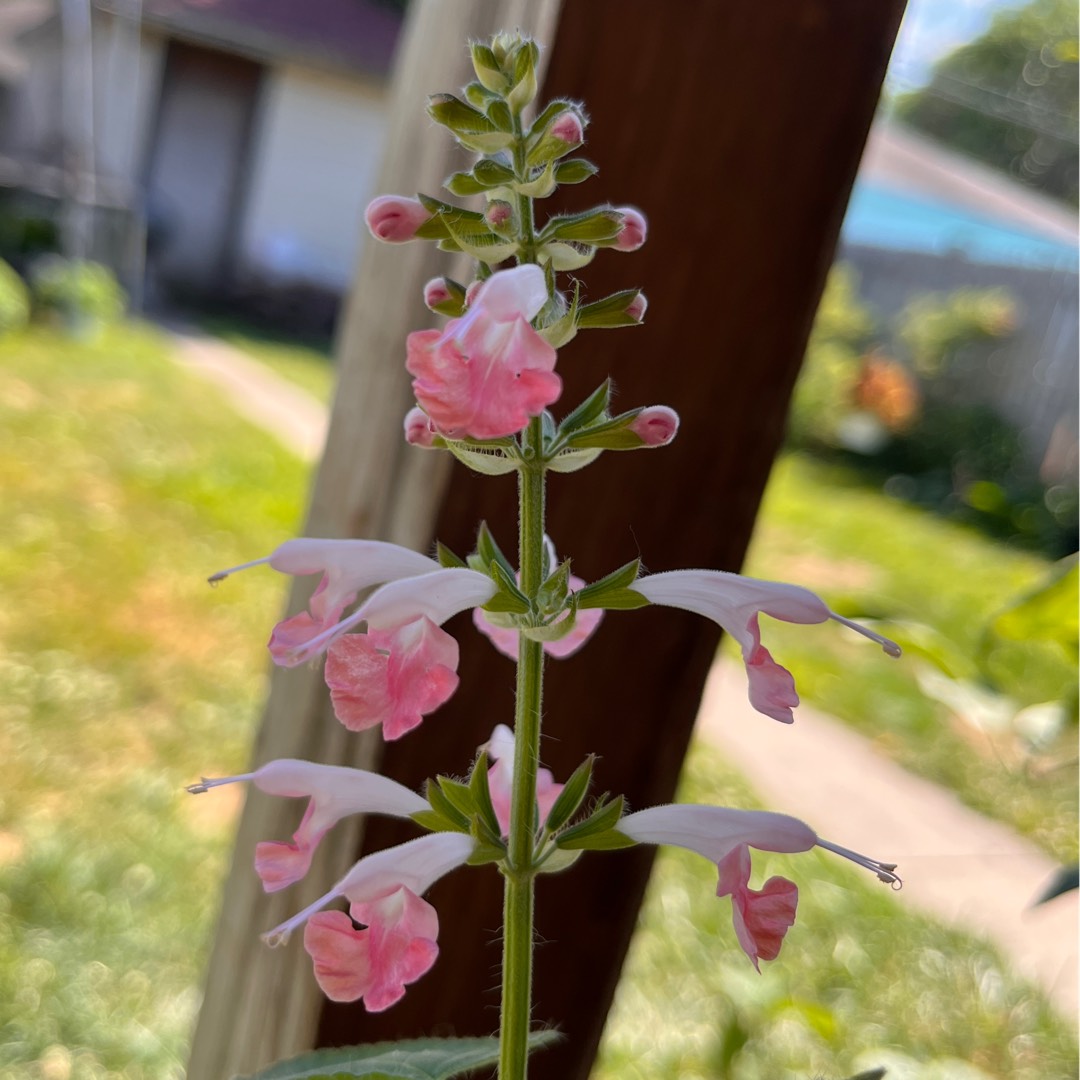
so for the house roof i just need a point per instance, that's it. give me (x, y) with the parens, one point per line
(353, 36)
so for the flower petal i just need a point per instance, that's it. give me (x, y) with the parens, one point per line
(761, 917)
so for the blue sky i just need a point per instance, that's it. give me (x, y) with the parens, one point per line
(931, 28)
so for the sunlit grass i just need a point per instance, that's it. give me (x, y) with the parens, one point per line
(860, 982)
(122, 676)
(869, 554)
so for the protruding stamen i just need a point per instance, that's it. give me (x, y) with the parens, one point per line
(221, 575)
(889, 646)
(280, 934)
(884, 871)
(313, 646)
(206, 783)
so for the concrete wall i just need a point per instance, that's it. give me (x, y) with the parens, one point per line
(313, 167)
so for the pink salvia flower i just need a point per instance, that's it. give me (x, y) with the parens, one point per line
(398, 942)
(333, 791)
(347, 567)
(655, 425)
(391, 677)
(436, 292)
(505, 638)
(735, 602)
(418, 429)
(488, 372)
(394, 219)
(500, 749)
(637, 307)
(724, 836)
(633, 231)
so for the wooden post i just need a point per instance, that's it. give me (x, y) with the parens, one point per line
(737, 128)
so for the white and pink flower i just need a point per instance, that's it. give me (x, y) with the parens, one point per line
(333, 791)
(500, 749)
(735, 603)
(488, 372)
(399, 939)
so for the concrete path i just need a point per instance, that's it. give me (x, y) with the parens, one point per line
(957, 865)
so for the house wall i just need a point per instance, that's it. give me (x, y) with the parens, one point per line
(313, 168)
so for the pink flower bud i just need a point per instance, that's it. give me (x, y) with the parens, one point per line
(634, 228)
(498, 214)
(471, 291)
(436, 292)
(637, 307)
(418, 429)
(655, 425)
(394, 218)
(568, 127)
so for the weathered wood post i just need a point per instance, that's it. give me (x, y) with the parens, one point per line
(737, 129)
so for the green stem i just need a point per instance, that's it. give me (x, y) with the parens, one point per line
(520, 870)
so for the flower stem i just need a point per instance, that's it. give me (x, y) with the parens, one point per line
(520, 870)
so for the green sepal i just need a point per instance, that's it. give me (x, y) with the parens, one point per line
(488, 70)
(613, 592)
(552, 631)
(551, 596)
(448, 558)
(489, 550)
(435, 822)
(589, 227)
(498, 112)
(540, 186)
(570, 798)
(463, 184)
(509, 598)
(485, 853)
(568, 461)
(613, 433)
(558, 861)
(479, 95)
(555, 107)
(409, 1059)
(459, 116)
(458, 795)
(481, 796)
(488, 246)
(590, 410)
(563, 329)
(443, 808)
(597, 831)
(454, 305)
(566, 255)
(489, 461)
(574, 171)
(609, 312)
(523, 89)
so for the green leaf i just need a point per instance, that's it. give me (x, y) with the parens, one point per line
(1048, 613)
(509, 598)
(411, 1059)
(489, 550)
(434, 822)
(612, 592)
(597, 831)
(571, 796)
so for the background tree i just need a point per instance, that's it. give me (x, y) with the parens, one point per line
(1009, 98)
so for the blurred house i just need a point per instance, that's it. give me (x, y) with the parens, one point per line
(233, 143)
(925, 219)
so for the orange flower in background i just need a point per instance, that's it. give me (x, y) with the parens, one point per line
(886, 388)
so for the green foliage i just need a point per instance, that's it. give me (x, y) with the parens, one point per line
(1009, 98)
(862, 983)
(842, 330)
(79, 292)
(936, 328)
(14, 300)
(411, 1059)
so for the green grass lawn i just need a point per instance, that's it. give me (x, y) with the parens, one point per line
(123, 677)
(869, 554)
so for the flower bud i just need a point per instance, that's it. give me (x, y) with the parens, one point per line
(487, 69)
(418, 429)
(637, 307)
(655, 425)
(568, 128)
(395, 218)
(634, 228)
(445, 296)
(472, 290)
(499, 215)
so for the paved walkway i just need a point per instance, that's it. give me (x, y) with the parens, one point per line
(956, 864)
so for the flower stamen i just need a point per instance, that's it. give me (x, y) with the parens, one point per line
(884, 871)
(886, 644)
